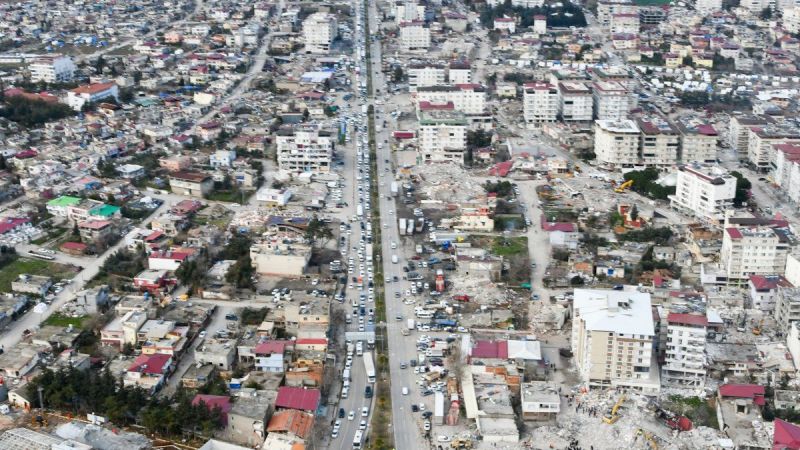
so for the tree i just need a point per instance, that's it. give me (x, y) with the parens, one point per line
(318, 229)
(33, 112)
(577, 280)
(743, 186)
(3, 164)
(766, 13)
(398, 75)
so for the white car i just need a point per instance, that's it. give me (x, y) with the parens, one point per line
(427, 426)
(351, 416)
(443, 438)
(365, 411)
(362, 425)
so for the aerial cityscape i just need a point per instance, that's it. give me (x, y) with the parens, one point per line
(405, 224)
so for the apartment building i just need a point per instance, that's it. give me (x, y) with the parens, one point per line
(540, 103)
(760, 143)
(442, 136)
(304, 150)
(459, 72)
(611, 100)
(753, 251)
(705, 191)
(415, 36)
(616, 142)
(467, 98)
(52, 69)
(685, 361)
(607, 8)
(612, 339)
(192, 184)
(408, 11)
(285, 259)
(786, 173)
(424, 75)
(791, 19)
(739, 129)
(575, 101)
(698, 141)
(705, 7)
(620, 75)
(660, 143)
(624, 23)
(764, 290)
(505, 24)
(787, 308)
(319, 30)
(91, 93)
(652, 15)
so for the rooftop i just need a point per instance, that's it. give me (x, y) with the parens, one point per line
(615, 311)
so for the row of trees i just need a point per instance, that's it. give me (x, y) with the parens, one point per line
(645, 183)
(565, 15)
(32, 113)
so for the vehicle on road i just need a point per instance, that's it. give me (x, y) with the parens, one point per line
(405, 391)
(351, 416)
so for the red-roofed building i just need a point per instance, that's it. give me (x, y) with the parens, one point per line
(786, 437)
(91, 93)
(167, 260)
(764, 290)
(292, 422)
(297, 398)
(74, 248)
(269, 356)
(148, 371)
(753, 392)
(501, 169)
(95, 230)
(43, 96)
(490, 350)
(12, 223)
(311, 344)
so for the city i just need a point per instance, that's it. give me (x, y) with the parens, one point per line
(403, 224)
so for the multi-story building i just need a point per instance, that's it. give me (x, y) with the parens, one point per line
(739, 130)
(791, 19)
(624, 23)
(467, 98)
(652, 15)
(91, 93)
(684, 364)
(660, 144)
(761, 140)
(319, 30)
(442, 136)
(304, 150)
(616, 142)
(505, 24)
(756, 6)
(280, 258)
(753, 251)
(612, 339)
(706, 7)
(787, 307)
(575, 101)
(193, 184)
(611, 99)
(698, 141)
(459, 72)
(52, 69)
(704, 191)
(540, 103)
(408, 11)
(607, 8)
(415, 36)
(764, 290)
(424, 75)
(786, 173)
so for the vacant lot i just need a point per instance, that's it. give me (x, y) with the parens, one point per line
(32, 267)
(60, 320)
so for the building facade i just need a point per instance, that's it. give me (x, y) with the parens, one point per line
(304, 150)
(684, 364)
(616, 142)
(704, 191)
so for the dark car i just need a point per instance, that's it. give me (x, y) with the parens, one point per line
(427, 414)
(414, 408)
(368, 392)
(427, 393)
(341, 413)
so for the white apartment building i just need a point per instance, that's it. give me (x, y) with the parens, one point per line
(660, 143)
(786, 172)
(459, 72)
(505, 24)
(612, 339)
(611, 99)
(791, 19)
(424, 75)
(52, 69)
(752, 251)
(625, 23)
(756, 6)
(764, 290)
(607, 8)
(408, 11)
(540, 103)
(704, 191)
(760, 143)
(787, 307)
(304, 150)
(91, 93)
(698, 141)
(616, 142)
(319, 30)
(739, 130)
(467, 98)
(415, 36)
(442, 136)
(685, 362)
(705, 7)
(575, 101)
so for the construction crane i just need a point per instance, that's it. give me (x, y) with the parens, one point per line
(649, 438)
(613, 415)
(621, 188)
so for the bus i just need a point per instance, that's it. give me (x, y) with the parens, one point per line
(357, 439)
(369, 367)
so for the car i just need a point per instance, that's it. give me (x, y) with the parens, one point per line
(422, 406)
(202, 334)
(337, 425)
(427, 414)
(334, 433)
(362, 425)
(443, 438)
(365, 411)
(414, 408)
(351, 416)
(403, 365)
(341, 413)
(427, 425)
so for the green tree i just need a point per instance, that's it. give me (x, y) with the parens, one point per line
(766, 13)
(743, 187)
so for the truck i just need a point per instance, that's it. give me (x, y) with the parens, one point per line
(402, 226)
(411, 324)
(364, 108)
(369, 367)
(393, 188)
(360, 211)
(369, 253)
(432, 376)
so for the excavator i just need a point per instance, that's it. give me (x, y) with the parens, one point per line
(459, 443)
(621, 188)
(613, 416)
(757, 328)
(649, 437)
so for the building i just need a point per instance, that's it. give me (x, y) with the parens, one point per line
(660, 142)
(123, 329)
(91, 93)
(505, 24)
(269, 356)
(612, 339)
(704, 191)
(248, 417)
(608, 8)
(192, 184)
(540, 24)
(575, 101)
(764, 290)
(698, 141)
(787, 308)
(52, 69)
(624, 23)
(220, 353)
(424, 75)
(684, 363)
(616, 142)
(611, 100)
(274, 197)
(459, 72)
(298, 398)
(467, 98)
(752, 251)
(167, 260)
(37, 285)
(279, 258)
(786, 170)
(304, 150)
(222, 159)
(148, 372)
(706, 7)
(539, 400)
(761, 141)
(319, 31)
(415, 36)
(442, 136)
(739, 130)
(540, 103)
(791, 19)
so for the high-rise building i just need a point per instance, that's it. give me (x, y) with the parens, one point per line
(704, 191)
(540, 103)
(660, 144)
(319, 30)
(442, 136)
(304, 150)
(612, 101)
(754, 250)
(52, 69)
(575, 101)
(616, 142)
(684, 364)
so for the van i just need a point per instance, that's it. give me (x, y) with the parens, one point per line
(346, 384)
(405, 391)
(345, 392)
